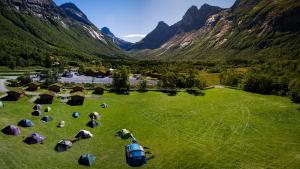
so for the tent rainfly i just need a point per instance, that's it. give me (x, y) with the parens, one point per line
(34, 139)
(92, 124)
(125, 134)
(37, 113)
(47, 119)
(135, 155)
(76, 114)
(61, 124)
(26, 123)
(37, 107)
(104, 105)
(87, 159)
(11, 130)
(94, 116)
(84, 134)
(63, 145)
(48, 109)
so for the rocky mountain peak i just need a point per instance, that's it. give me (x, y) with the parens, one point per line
(106, 31)
(74, 12)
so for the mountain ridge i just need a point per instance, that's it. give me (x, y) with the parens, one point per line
(118, 41)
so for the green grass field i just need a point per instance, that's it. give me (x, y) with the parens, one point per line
(224, 129)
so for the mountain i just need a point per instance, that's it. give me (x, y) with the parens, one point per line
(33, 30)
(118, 41)
(193, 20)
(249, 30)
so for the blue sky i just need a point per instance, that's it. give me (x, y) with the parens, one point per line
(132, 19)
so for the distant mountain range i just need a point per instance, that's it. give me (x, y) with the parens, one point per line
(30, 30)
(34, 31)
(118, 41)
(250, 29)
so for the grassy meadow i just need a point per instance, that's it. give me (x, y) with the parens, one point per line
(224, 129)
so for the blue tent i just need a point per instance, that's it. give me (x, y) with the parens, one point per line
(26, 123)
(47, 119)
(87, 159)
(135, 155)
(92, 124)
(76, 115)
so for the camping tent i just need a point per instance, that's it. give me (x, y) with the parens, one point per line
(104, 105)
(94, 116)
(37, 107)
(124, 134)
(1, 105)
(135, 155)
(48, 109)
(84, 134)
(11, 130)
(76, 114)
(87, 159)
(63, 145)
(37, 113)
(34, 139)
(26, 123)
(92, 124)
(47, 119)
(61, 124)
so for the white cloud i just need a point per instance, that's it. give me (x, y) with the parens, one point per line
(134, 36)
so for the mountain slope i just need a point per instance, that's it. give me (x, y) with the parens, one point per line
(33, 30)
(118, 41)
(251, 29)
(193, 19)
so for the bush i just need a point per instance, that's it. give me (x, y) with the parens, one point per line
(294, 90)
(258, 84)
(121, 80)
(230, 78)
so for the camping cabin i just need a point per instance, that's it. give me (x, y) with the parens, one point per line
(99, 90)
(34, 86)
(46, 98)
(76, 99)
(15, 94)
(55, 87)
(78, 88)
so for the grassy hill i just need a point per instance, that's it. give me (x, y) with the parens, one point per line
(223, 129)
(28, 40)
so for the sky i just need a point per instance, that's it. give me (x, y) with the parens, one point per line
(131, 20)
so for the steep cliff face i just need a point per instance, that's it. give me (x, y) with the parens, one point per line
(39, 28)
(193, 19)
(251, 29)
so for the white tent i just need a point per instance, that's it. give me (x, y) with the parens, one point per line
(84, 134)
(94, 116)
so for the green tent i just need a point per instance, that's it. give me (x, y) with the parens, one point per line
(1, 105)
(125, 134)
(87, 159)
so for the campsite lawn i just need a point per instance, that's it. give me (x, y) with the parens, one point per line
(224, 129)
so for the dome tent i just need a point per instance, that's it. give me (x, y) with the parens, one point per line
(87, 159)
(124, 134)
(11, 130)
(37, 107)
(48, 109)
(63, 145)
(34, 139)
(26, 123)
(61, 124)
(104, 105)
(94, 116)
(84, 134)
(135, 155)
(47, 119)
(92, 124)
(37, 113)
(76, 114)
